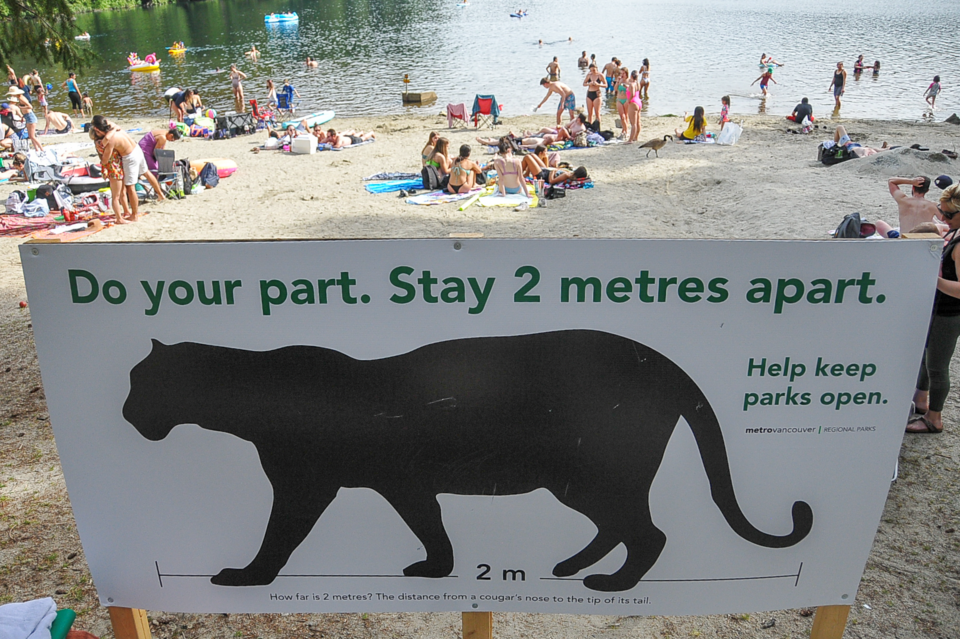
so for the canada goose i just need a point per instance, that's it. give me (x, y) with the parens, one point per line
(655, 144)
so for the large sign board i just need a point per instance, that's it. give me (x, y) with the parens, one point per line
(579, 426)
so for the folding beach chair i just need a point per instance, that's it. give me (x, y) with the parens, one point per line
(286, 104)
(457, 116)
(486, 110)
(262, 118)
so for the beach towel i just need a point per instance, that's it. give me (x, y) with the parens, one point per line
(507, 200)
(457, 112)
(391, 186)
(28, 619)
(18, 226)
(393, 175)
(328, 147)
(439, 197)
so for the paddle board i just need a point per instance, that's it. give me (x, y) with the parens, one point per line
(314, 118)
(281, 17)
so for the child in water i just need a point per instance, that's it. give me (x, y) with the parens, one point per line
(932, 91)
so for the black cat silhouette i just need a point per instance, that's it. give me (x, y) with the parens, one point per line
(585, 414)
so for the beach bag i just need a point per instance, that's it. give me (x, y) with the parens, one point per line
(834, 154)
(15, 202)
(607, 135)
(730, 134)
(64, 198)
(208, 175)
(580, 140)
(37, 208)
(431, 178)
(853, 227)
(554, 193)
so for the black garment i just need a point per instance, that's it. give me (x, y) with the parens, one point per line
(944, 304)
(803, 111)
(838, 80)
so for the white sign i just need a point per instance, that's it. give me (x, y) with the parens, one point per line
(579, 426)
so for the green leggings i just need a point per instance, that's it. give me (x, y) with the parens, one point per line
(935, 366)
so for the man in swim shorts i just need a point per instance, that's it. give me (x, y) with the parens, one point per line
(553, 70)
(610, 71)
(568, 101)
(131, 156)
(60, 122)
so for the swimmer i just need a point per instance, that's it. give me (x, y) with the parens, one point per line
(584, 61)
(311, 63)
(253, 53)
(767, 60)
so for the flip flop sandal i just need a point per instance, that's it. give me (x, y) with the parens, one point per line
(950, 154)
(931, 429)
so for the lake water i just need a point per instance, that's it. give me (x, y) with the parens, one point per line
(699, 50)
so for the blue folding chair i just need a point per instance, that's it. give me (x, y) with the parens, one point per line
(286, 104)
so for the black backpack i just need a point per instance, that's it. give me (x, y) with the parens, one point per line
(853, 227)
(431, 178)
(834, 155)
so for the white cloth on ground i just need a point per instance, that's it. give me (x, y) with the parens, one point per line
(28, 619)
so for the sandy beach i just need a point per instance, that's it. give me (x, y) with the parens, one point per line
(769, 186)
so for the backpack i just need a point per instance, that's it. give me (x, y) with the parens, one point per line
(580, 140)
(431, 178)
(833, 155)
(208, 175)
(607, 135)
(15, 202)
(554, 193)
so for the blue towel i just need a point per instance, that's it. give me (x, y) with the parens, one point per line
(391, 186)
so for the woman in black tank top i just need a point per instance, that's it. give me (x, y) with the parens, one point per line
(933, 383)
(839, 80)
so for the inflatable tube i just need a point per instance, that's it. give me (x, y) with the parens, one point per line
(321, 117)
(273, 18)
(517, 15)
(225, 166)
(81, 37)
(86, 184)
(176, 51)
(204, 121)
(145, 68)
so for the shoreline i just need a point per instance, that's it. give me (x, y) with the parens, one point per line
(769, 186)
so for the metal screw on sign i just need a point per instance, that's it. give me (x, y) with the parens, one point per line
(476, 605)
(34, 251)
(109, 599)
(456, 246)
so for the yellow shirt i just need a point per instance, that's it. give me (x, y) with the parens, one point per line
(691, 132)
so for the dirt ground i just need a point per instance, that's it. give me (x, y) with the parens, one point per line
(768, 186)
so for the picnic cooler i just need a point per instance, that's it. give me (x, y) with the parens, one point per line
(304, 144)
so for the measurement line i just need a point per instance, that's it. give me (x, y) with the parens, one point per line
(798, 575)
(159, 577)
(664, 581)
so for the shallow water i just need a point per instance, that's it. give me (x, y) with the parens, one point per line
(699, 50)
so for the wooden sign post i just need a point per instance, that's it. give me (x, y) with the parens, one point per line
(131, 623)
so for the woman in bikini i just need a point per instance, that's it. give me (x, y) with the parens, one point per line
(236, 78)
(428, 149)
(634, 104)
(463, 172)
(595, 82)
(622, 100)
(645, 78)
(16, 97)
(271, 94)
(112, 168)
(509, 171)
(439, 158)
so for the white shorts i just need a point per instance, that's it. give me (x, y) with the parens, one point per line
(134, 165)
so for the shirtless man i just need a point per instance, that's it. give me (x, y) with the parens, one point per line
(347, 138)
(611, 70)
(134, 162)
(568, 101)
(311, 63)
(915, 209)
(553, 69)
(60, 122)
(584, 61)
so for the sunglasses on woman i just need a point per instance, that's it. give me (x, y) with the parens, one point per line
(946, 216)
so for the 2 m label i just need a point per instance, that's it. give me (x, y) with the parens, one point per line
(508, 574)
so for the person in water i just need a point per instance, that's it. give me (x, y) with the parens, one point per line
(930, 95)
(73, 91)
(611, 71)
(838, 83)
(858, 66)
(253, 53)
(594, 82)
(236, 81)
(645, 78)
(311, 63)
(765, 78)
(553, 70)
(584, 61)
(767, 60)
(568, 101)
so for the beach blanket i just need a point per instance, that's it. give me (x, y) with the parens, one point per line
(19, 226)
(391, 186)
(393, 175)
(67, 232)
(68, 147)
(439, 197)
(516, 199)
(328, 147)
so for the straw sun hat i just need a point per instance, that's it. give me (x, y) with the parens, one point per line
(14, 91)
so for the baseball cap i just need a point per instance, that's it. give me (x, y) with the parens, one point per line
(942, 182)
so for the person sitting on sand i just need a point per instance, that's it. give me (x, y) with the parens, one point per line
(17, 173)
(914, 209)
(348, 138)
(439, 158)
(156, 139)
(463, 172)
(696, 126)
(509, 171)
(427, 150)
(801, 111)
(568, 101)
(60, 122)
(8, 137)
